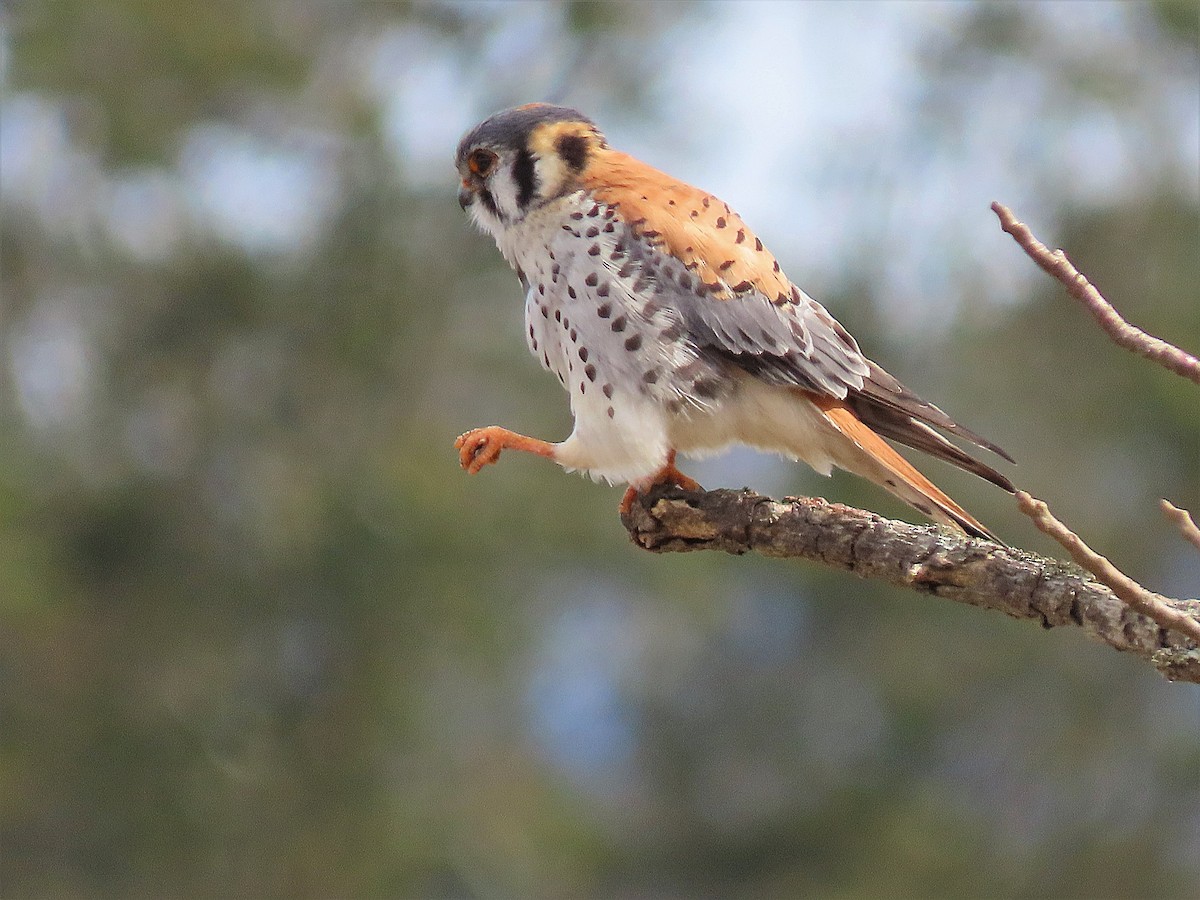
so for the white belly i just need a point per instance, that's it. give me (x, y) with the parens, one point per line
(764, 416)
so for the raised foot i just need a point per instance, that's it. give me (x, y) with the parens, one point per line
(668, 474)
(481, 446)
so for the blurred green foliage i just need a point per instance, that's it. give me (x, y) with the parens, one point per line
(261, 637)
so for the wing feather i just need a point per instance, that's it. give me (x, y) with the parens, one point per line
(881, 392)
(739, 307)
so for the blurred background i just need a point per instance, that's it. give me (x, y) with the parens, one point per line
(262, 637)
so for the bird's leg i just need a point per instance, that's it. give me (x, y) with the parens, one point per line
(481, 446)
(668, 474)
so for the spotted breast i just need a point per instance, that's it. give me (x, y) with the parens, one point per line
(673, 328)
(598, 315)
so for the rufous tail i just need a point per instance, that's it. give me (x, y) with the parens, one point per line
(880, 463)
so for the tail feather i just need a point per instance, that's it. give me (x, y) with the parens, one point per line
(880, 463)
(912, 432)
(884, 398)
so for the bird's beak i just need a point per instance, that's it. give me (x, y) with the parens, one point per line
(466, 195)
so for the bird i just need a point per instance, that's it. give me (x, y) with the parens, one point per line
(675, 330)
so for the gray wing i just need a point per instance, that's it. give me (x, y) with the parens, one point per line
(799, 344)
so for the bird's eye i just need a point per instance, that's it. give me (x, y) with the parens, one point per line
(481, 162)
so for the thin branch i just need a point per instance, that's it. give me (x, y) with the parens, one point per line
(927, 559)
(1183, 521)
(1122, 333)
(1155, 606)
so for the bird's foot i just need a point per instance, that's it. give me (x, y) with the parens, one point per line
(668, 474)
(481, 446)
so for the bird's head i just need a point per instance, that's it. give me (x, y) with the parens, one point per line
(520, 159)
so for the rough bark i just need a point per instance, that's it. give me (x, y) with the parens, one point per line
(925, 558)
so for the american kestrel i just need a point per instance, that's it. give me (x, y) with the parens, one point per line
(673, 329)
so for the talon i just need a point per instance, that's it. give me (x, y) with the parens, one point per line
(682, 481)
(475, 450)
(668, 474)
(480, 447)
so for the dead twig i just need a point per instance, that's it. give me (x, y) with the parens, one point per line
(1129, 591)
(1183, 521)
(1055, 262)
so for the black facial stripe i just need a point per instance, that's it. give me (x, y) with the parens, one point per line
(486, 198)
(573, 148)
(525, 177)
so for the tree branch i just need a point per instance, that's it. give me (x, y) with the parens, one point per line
(927, 559)
(1111, 607)
(1183, 521)
(1129, 591)
(1122, 333)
